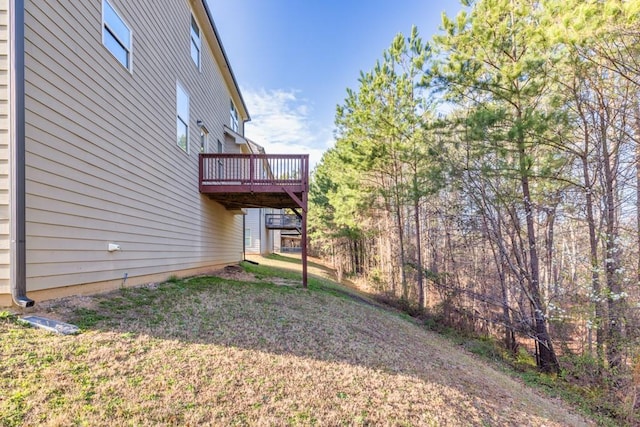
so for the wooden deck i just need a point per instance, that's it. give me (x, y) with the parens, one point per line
(255, 180)
(283, 221)
(278, 181)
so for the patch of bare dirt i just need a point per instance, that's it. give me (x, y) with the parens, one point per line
(234, 272)
(61, 309)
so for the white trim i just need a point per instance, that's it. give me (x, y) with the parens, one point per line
(185, 120)
(234, 121)
(128, 48)
(237, 138)
(197, 42)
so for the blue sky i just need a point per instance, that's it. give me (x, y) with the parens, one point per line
(294, 59)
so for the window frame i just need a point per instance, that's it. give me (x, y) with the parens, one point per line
(195, 42)
(234, 122)
(109, 28)
(180, 119)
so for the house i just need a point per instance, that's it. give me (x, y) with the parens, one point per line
(120, 121)
(270, 230)
(286, 225)
(290, 241)
(258, 239)
(266, 229)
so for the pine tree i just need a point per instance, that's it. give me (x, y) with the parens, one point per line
(495, 63)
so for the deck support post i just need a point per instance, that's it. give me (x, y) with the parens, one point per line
(270, 178)
(304, 239)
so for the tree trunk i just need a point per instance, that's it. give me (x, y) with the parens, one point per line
(636, 126)
(400, 230)
(593, 252)
(552, 277)
(388, 260)
(419, 266)
(509, 338)
(547, 359)
(596, 289)
(612, 260)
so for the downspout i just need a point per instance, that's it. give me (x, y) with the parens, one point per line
(18, 257)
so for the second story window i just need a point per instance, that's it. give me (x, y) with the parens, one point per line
(234, 118)
(116, 35)
(182, 108)
(195, 42)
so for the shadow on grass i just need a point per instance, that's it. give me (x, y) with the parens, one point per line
(296, 260)
(325, 323)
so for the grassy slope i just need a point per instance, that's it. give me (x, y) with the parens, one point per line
(222, 352)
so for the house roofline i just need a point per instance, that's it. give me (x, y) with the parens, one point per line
(255, 147)
(227, 64)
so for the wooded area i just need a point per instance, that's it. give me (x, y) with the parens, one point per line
(491, 177)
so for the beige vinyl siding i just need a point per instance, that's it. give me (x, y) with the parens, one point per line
(5, 214)
(277, 240)
(102, 161)
(253, 222)
(261, 237)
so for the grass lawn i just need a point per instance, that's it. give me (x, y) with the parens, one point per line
(253, 350)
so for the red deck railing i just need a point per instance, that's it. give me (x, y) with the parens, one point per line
(259, 180)
(254, 170)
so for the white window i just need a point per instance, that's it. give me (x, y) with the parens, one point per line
(195, 42)
(234, 118)
(116, 35)
(182, 109)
